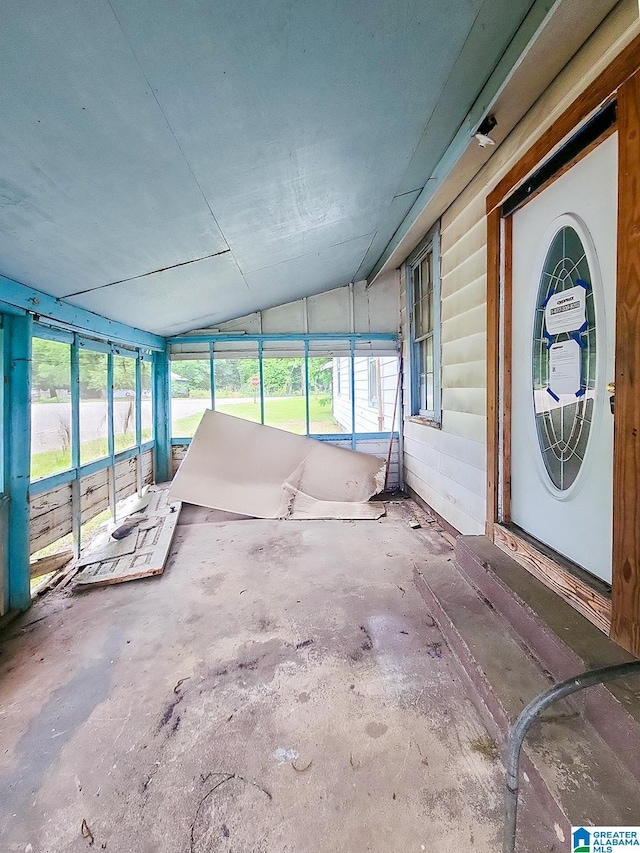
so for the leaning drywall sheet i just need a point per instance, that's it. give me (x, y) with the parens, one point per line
(243, 467)
(305, 508)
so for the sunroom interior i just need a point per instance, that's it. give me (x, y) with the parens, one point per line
(282, 214)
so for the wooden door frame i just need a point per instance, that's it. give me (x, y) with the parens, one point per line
(617, 613)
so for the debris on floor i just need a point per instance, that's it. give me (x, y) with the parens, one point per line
(140, 550)
(51, 563)
(243, 467)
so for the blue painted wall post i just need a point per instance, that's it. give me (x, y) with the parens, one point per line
(162, 416)
(261, 369)
(352, 380)
(306, 386)
(76, 508)
(19, 459)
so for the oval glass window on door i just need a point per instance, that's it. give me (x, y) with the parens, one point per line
(564, 358)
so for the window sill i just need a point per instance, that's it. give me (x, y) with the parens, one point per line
(425, 421)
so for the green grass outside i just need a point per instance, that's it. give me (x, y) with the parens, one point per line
(53, 461)
(287, 414)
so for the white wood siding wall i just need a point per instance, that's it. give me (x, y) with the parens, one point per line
(447, 467)
(368, 418)
(341, 402)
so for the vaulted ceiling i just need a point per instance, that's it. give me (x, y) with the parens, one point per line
(175, 164)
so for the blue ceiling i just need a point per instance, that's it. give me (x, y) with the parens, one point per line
(172, 165)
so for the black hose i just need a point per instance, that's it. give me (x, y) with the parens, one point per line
(527, 718)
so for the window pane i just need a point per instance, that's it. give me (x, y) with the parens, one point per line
(374, 377)
(427, 349)
(190, 395)
(423, 296)
(321, 419)
(284, 394)
(50, 408)
(146, 382)
(93, 406)
(341, 402)
(238, 387)
(417, 290)
(426, 270)
(376, 380)
(124, 402)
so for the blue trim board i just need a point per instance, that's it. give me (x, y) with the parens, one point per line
(18, 439)
(76, 504)
(78, 319)
(46, 484)
(352, 379)
(306, 386)
(162, 416)
(337, 436)
(261, 373)
(138, 402)
(319, 336)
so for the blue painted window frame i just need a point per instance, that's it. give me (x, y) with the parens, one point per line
(433, 416)
(350, 339)
(78, 342)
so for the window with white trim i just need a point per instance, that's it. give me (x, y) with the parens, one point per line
(423, 298)
(373, 382)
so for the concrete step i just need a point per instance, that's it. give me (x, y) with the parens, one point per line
(562, 641)
(575, 775)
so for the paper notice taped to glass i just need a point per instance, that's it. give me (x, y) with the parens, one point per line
(566, 311)
(564, 367)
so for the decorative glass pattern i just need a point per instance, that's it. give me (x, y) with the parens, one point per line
(563, 421)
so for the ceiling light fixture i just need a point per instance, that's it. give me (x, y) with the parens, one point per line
(483, 131)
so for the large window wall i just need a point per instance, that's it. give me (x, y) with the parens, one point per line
(91, 405)
(317, 386)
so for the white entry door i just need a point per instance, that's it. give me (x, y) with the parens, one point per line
(564, 277)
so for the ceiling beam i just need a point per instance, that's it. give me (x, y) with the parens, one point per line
(41, 305)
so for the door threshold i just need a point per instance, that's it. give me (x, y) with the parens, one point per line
(587, 594)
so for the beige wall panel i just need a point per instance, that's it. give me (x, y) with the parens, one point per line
(455, 503)
(465, 424)
(457, 222)
(462, 350)
(468, 374)
(470, 322)
(470, 294)
(455, 253)
(472, 453)
(471, 401)
(455, 261)
(285, 318)
(470, 269)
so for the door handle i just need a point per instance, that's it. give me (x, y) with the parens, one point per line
(611, 389)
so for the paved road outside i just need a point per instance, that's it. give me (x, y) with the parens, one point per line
(49, 421)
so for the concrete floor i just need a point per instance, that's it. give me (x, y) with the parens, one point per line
(281, 687)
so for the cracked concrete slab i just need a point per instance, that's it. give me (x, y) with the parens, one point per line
(281, 688)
